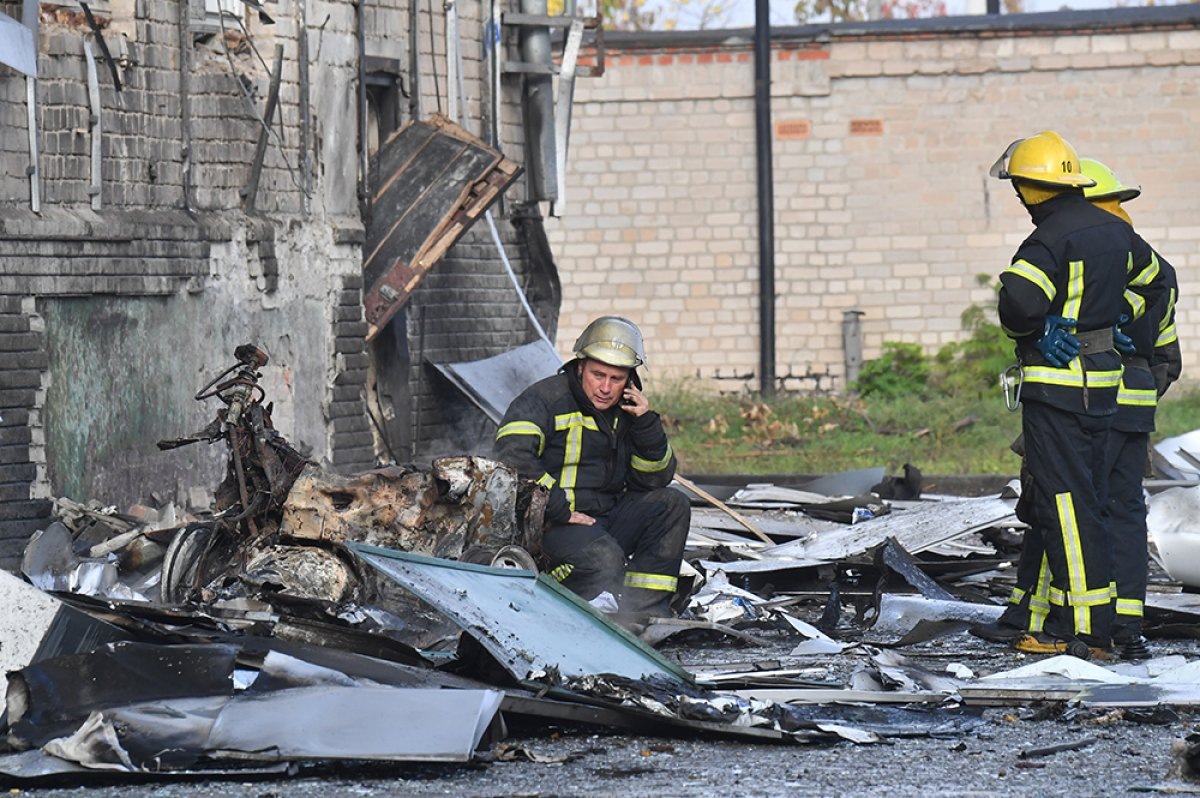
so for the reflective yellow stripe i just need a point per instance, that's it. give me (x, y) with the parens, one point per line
(574, 424)
(1090, 598)
(1129, 607)
(1072, 377)
(651, 466)
(523, 428)
(1168, 335)
(1074, 290)
(546, 481)
(562, 572)
(1033, 274)
(1137, 397)
(1166, 325)
(651, 581)
(1076, 573)
(1039, 602)
(1056, 597)
(573, 420)
(1017, 595)
(1147, 275)
(1136, 303)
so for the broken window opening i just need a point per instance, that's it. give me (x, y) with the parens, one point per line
(385, 100)
(234, 22)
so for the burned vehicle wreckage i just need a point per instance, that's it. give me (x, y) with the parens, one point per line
(281, 523)
(301, 614)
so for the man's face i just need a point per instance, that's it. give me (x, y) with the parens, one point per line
(603, 384)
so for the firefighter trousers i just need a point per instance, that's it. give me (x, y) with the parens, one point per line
(633, 552)
(1126, 521)
(1064, 576)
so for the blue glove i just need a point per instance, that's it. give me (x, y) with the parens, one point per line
(1057, 344)
(1122, 342)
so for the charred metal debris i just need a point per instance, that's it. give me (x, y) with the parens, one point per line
(240, 637)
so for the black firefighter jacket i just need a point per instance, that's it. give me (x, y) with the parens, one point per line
(1082, 263)
(551, 433)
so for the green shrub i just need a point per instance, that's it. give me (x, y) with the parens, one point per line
(901, 370)
(972, 367)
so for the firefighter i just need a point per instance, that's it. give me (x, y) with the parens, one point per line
(1151, 361)
(1080, 274)
(588, 434)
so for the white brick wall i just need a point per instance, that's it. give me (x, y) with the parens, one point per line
(662, 221)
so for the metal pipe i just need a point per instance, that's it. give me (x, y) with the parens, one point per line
(185, 102)
(94, 124)
(766, 197)
(416, 442)
(305, 111)
(451, 36)
(493, 49)
(364, 165)
(414, 61)
(537, 103)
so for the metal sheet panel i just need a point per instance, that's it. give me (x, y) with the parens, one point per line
(431, 180)
(916, 529)
(17, 48)
(492, 383)
(527, 622)
(381, 723)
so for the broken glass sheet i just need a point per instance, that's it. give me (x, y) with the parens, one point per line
(527, 622)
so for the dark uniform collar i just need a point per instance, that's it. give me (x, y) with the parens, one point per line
(1042, 211)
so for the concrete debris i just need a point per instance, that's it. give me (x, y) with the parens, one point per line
(301, 611)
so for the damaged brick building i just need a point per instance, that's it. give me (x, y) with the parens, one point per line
(179, 178)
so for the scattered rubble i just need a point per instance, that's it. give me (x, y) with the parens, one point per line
(302, 612)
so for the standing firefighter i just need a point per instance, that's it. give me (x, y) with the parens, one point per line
(1152, 361)
(588, 434)
(1072, 281)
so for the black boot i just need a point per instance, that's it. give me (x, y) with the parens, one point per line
(997, 631)
(1134, 648)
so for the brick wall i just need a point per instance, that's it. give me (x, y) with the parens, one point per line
(111, 318)
(884, 133)
(22, 361)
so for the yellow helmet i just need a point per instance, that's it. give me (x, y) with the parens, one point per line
(1107, 187)
(1045, 159)
(613, 340)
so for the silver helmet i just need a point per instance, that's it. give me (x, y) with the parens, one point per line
(613, 340)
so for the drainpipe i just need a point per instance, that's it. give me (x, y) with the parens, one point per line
(537, 103)
(766, 195)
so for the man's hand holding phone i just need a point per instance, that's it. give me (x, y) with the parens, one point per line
(634, 401)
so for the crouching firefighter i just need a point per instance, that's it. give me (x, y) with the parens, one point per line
(588, 434)
(1080, 274)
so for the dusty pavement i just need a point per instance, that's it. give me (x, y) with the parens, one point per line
(1120, 752)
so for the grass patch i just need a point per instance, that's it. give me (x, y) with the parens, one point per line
(940, 434)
